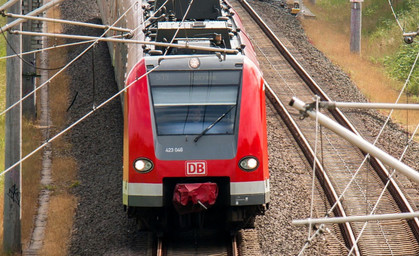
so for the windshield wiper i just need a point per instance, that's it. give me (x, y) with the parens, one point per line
(212, 125)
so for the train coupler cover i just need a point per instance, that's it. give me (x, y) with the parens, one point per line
(194, 197)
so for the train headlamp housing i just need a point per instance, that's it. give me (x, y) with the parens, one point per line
(249, 163)
(194, 63)
(143, 165)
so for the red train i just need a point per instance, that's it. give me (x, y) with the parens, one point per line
(195, 142)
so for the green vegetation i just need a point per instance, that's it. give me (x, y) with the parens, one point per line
(382, 36)
(400, 64)
(75, 184)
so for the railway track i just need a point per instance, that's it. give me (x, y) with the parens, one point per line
(339, 159)
(185, 244)
(136, 244)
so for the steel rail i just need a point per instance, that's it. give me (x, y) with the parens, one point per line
(159, 248)
(377, 165)
(234, 247)
(321, 175)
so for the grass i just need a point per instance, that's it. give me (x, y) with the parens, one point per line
(62, 207)
(31, 138)
(2, 106)
(382, 36)
(330, 32)
(64, 168)
(31, 175)
(62, 202)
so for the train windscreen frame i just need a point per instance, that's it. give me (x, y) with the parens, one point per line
(188, 102)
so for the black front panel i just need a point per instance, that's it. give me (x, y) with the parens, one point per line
(186, 103)
(196, 111)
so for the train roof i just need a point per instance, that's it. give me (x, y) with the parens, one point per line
(205, 23)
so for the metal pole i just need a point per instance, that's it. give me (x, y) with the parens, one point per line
(28, 71)
(361, 105)
(8, 4)
(389, 216)
(12, 184)
(356, 21)
(128, 41)
(32, 13)
(70, 22)
(357, 140)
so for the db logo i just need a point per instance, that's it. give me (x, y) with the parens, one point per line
(196, 168)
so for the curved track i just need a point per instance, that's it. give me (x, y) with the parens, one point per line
(112, 233)
(339, 159)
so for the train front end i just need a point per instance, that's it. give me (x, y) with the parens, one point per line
(195, 142)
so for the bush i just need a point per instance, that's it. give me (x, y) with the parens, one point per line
(400, 64)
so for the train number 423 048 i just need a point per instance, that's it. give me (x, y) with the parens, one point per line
(174, 150)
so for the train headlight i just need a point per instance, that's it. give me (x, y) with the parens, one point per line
(249, 163)
(194, 63)
(143, 165)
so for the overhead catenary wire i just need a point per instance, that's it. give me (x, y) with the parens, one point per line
(67, 65)
(78, 121)
(52, 48)
(94, 40)
(378, 136)
(405, 150)
(7, 5)
(314, 167)
(395, 15)
(22, 59)
(69, 22)
(32, 13)
(94, 109)
(117, 40)
(46, 49)
(274, 66)
(413, 214)
(178, 29)
(151, 16)
(367, 156)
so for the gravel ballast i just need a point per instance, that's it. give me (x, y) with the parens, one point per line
(101, 227)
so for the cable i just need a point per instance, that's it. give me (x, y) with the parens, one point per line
(274, 66)
(46, 49)
(378, 136)
(78, 121)
(314, 165)
(376, 139)
(180, 24)
(53, 47)
(388, 182)
(401, 157)
(152, 16)
(82, 118)
(22, 59)
(93, 78)
(68, 64)
(395, 16)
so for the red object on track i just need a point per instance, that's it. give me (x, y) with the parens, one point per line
(194, 197)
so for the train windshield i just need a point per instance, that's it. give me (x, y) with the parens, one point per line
(188, 102)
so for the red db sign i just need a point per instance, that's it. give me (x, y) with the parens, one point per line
(196, 168)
